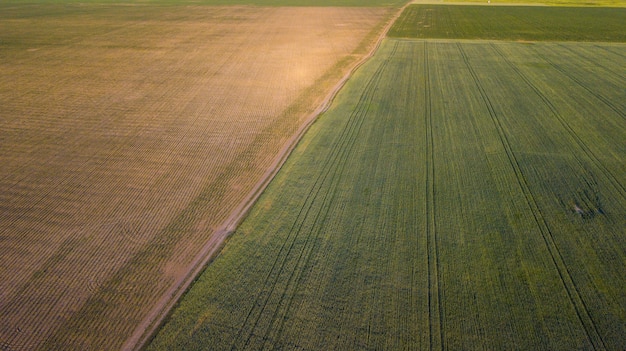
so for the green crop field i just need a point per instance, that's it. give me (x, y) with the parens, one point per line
(528, 23)
(458, 195)
(586, 3)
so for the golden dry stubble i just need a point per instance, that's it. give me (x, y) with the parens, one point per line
(128, 135)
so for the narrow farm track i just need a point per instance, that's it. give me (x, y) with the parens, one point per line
(569, 284)
(159, 312)
(268, 321)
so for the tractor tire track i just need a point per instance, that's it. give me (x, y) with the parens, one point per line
(435, 310)
(573, 293)
(583, 146)
(564, 72)
(608, 49)
(619, 74)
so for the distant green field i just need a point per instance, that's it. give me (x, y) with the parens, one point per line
(458, 195)
(614, 3)
(512, 23)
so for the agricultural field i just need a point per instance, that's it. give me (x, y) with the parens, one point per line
(457, 195)
(263, 3)
(566, 3)
(524, 23)
(130, 133)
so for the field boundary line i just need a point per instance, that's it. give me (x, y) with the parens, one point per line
(149, 326)
(573, 293)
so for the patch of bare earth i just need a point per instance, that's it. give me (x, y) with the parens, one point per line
(129, 135)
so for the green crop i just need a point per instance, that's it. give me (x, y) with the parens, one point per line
(458, 195)
(528, 23)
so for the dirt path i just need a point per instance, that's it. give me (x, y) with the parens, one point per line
(150, 325)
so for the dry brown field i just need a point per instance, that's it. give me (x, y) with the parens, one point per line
(129, 134)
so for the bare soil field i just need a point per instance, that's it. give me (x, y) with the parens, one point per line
(129, 134)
